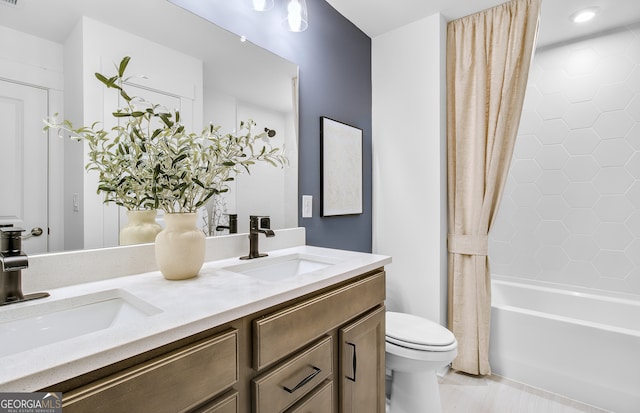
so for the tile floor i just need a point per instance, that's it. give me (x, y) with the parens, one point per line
(460, 392)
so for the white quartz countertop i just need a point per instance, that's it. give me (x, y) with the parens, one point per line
(216, 296)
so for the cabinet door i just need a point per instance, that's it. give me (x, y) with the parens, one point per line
(362, 364)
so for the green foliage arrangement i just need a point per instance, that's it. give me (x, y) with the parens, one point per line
(149, 161)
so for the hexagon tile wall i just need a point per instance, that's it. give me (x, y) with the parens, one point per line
(571, 208)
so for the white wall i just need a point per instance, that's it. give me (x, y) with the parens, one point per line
(30, 59)
(409, 170)
(571, 208)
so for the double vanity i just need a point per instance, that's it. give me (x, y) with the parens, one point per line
(299, 330)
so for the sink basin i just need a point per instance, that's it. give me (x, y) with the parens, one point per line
(280, 268)
(25, 328)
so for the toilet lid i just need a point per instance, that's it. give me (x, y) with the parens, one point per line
(411, 329)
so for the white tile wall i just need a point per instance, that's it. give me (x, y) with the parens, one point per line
(571, 208)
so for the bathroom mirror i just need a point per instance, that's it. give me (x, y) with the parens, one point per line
(55, 46)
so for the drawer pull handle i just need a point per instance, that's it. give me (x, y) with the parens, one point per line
(304, 381)
(353, 362)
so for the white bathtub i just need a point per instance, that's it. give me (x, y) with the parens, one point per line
(574, 343)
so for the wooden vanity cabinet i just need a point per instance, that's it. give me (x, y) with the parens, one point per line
(351, 318)
(297, 357)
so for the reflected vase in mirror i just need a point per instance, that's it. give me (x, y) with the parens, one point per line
(180, 247)
(141, 227)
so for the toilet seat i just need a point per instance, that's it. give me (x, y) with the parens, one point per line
(417, 333)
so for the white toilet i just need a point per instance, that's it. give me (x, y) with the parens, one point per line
(415, 349)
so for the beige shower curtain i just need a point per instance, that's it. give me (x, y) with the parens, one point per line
(488, 59)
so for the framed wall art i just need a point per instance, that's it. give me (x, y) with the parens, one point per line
(341, 163)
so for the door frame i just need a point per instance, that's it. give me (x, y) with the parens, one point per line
(50, 80)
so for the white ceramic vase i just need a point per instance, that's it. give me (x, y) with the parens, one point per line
(180, 247)
(141, 227)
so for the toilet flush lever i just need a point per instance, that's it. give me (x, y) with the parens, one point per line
(354, 362)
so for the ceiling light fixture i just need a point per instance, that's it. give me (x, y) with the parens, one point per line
(295, 17)
(261, 5)
(583, 16)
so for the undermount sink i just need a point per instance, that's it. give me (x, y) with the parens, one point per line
(28, 327)
(283, 267)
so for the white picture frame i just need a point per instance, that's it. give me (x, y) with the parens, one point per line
(341, 163)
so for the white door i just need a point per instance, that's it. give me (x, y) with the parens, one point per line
(23, 162)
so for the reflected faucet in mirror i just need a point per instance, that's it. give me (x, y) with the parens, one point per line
(232, 225)
(12, 261)
(258, 225)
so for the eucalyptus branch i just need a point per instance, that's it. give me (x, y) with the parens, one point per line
(149, 161)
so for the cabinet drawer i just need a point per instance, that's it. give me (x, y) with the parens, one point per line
(287, 383)
(319, 401)
(227, 403)
(278, 334)
(173, 382)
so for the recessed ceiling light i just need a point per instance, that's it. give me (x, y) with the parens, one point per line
(584, 15)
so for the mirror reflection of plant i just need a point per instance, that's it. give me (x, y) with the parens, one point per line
(149, 161)
(190, 168)
(213, 214)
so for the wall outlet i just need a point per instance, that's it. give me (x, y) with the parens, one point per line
(307, 206)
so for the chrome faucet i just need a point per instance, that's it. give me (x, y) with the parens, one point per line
(12, 262)
(257, 225)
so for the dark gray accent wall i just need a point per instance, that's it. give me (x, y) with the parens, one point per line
(334, 59)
